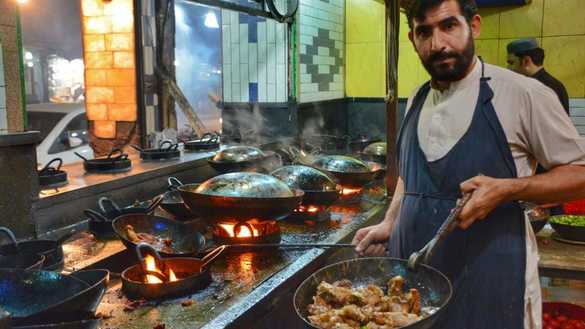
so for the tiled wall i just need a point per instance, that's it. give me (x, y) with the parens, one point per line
(255, 59)
(365, 48)
(3, 123)
(559, 28)
(322, 47)
(578, 114)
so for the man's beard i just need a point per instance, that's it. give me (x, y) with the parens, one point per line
(445, 72)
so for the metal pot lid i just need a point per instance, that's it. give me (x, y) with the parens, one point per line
(378, 148)
(305, 178)
(245, 185)
(341, 163)
(239, 154)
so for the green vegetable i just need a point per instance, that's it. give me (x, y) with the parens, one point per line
(569, 220)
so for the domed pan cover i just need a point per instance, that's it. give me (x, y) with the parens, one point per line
(319, 187)
(241, 196)
(349, 171)
(235, 154)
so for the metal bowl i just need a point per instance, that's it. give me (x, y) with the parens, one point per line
(341, 163)
(245, 184)
(376, 149)
(305, 178)
(239, 154)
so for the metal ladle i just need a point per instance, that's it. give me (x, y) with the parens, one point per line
(426, 253)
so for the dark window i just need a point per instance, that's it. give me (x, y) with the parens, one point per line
(44, 121)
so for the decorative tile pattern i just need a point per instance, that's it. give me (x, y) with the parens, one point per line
(254, 58)
(322, 47)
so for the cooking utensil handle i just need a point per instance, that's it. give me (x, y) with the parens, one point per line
(157, 258)
(137, 148)
(48, 165)
(10, 235)
(212, 255)
(81, 156)
(155, 203)
(292, 245)
(162, 144)
(108, 205)
(446, 227)
(121, 156)
(174, 182)
(94, 215)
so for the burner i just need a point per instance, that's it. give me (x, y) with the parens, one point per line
(351, 195)
(312, 213)
(251, 231)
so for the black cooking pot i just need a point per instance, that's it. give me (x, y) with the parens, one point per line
(116, 161)
(52, 250)
(166, 151)
(52, 177)
(25, 262)
(111, 210)
(173, 203)
(207, 142)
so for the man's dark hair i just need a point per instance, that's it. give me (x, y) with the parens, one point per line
(536, 55)
(418, 9)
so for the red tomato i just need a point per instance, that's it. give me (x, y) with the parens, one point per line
(562, 319)
(546, 317)
(554, 323)
(567, 326)
(548, 326)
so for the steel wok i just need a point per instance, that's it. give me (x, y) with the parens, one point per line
(434, 287)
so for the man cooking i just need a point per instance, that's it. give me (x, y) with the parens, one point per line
(473, 118)
(527, 58)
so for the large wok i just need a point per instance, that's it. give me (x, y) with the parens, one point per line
(242, 196)
(26, 262)
(52, 250)
(319, 187)
(173, 203)
(185, 239)
(349, 171)
(434, 287)
(243, 158)
(27, 293)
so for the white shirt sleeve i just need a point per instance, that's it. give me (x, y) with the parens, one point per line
(552, 138)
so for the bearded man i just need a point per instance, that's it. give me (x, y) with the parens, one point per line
(476, 129)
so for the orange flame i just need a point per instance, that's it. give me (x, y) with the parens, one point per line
(310, 209)
(151, 266)
(350, 191)
(244, 231)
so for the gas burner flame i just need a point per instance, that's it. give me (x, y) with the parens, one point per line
(307, 209)
(242, 231)
(151, 266)
(350, 191)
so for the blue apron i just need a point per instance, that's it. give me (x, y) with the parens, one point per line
(486, 263)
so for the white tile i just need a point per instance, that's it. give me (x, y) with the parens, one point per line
(270, 31)
(2, 96)
(338, 44)
(337, 78)
(3, 120)
(225, 16)
(306, 40)
(271, 92)
(281, 53)
(281, 92)
(306, 78)
(309, 88)
(303, 49)
(234, 18)
(303, 68)
(148, 55)
(281, 81)
(235, 92)
(335, 86)
(262, 84)
(324, 69)
(225, 35)
(244, 75)
(573, 102)
(235, 66)
(262, 53)
(253, 62)
(244, 43)
(336, 35)
(271, 64)
(227, 83)
(2, 67)
(324, 60)
(150, 119)
(323, 51)
(244, 87)
(262, 33)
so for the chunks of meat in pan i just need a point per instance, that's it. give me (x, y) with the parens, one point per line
(339, 306)
(164, 245)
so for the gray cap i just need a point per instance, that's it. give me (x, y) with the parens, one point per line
(522, 45)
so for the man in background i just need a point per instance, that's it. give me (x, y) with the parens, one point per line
(527, 58)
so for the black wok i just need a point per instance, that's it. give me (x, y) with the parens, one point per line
(434, 287)
(319, 188)
(185, 239)
(207, 142)
(111, 210)
(173, 203)
(84, 301)
(111, 163)
(255, 159)
(25, 262)
(52, 177)
(167, 150)
(239, 208)
(99, 225)
(27, 293)
(52, 250)
(349, 172)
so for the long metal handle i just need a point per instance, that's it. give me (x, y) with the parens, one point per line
(291, 245)
(426, 253)
(211, 256)
(10, 234)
